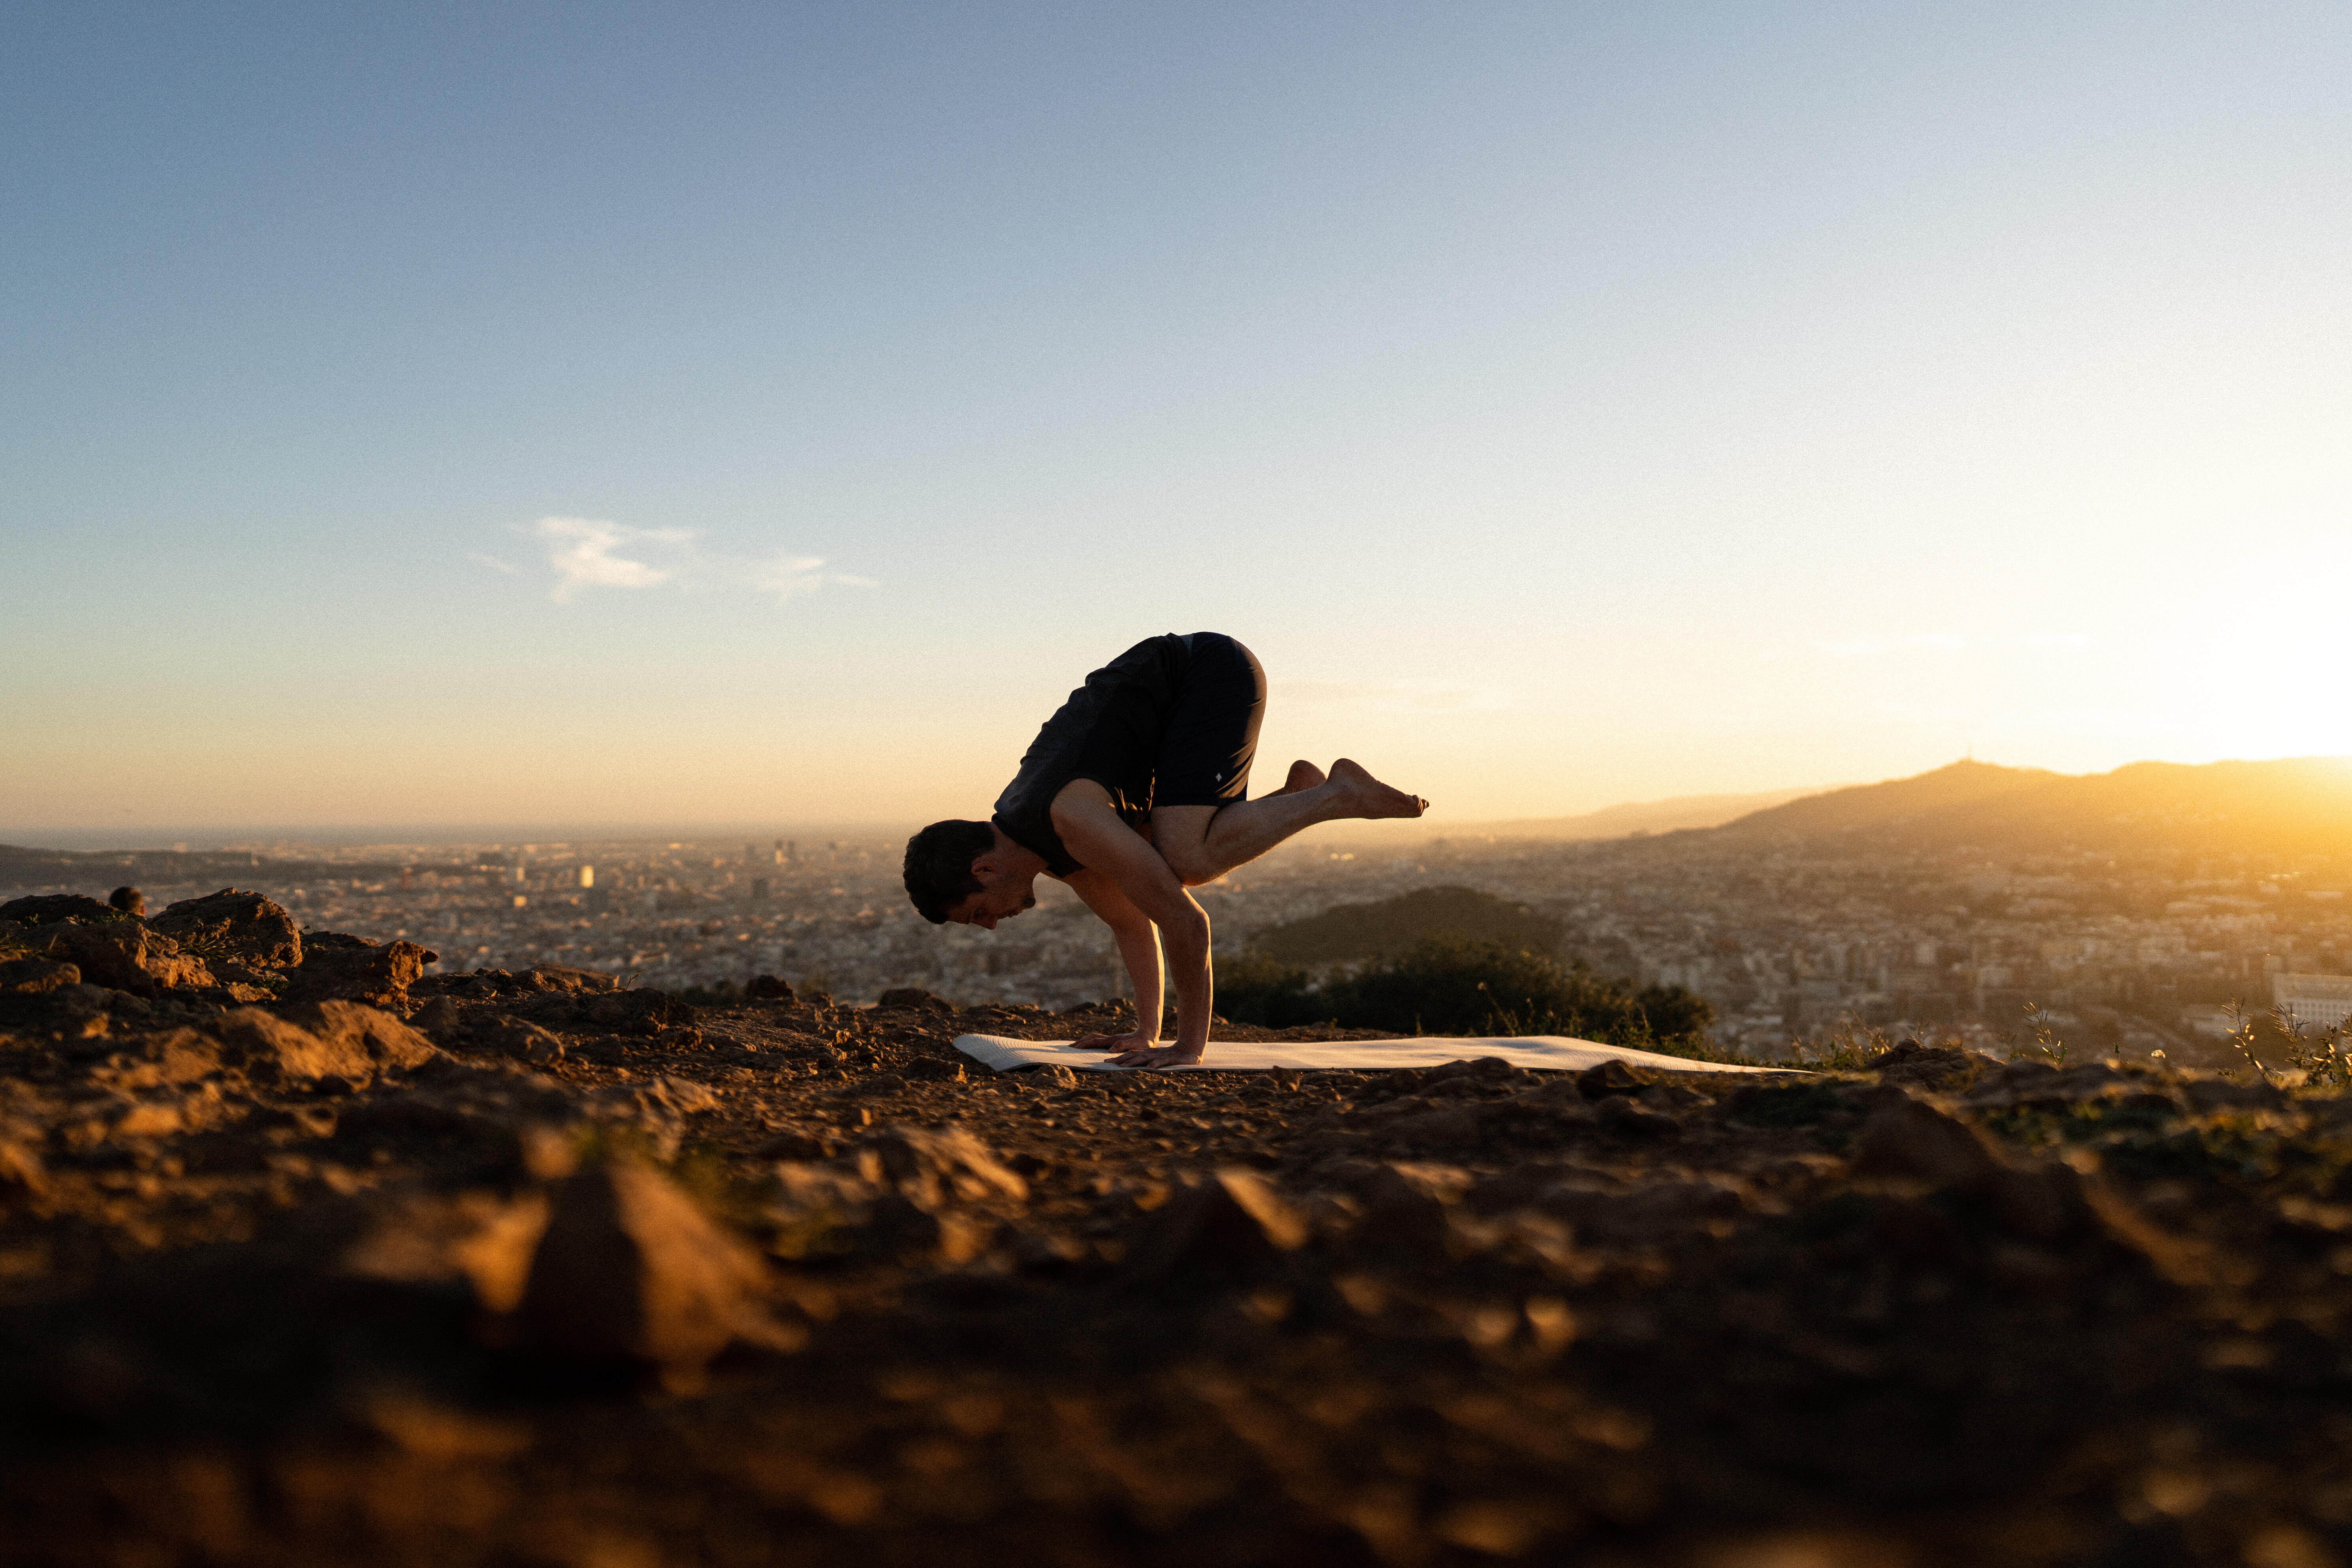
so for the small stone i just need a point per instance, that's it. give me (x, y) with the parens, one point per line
(1611, 1078)
(524, 1041)
(629, 1271)
(36, 976)
(130, 900)
(1232, 1222)
(1910, 1137)
(915, 998)
(20, 1165)
(269, 1046)
(1622, 1113)
(438, 1017)
(384, 1041)
(767, 988)
(564, 979)
(928, 1166)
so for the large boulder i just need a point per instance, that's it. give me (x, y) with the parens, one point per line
(629, 1272)
(124, 956)
(361, 973)
(56, 909)
(232, 924)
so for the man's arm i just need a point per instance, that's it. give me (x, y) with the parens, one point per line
(1139, 949)
(1094, 832)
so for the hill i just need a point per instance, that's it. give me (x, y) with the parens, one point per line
(1640, 816)
(2294, 806)
(1345, 933)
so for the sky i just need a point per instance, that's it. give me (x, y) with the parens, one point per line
(610, 414)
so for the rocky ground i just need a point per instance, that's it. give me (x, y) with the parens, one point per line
(306, 1259)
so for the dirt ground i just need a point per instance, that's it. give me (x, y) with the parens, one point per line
(555, 1274)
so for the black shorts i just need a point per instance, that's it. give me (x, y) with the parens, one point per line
(1212, 735)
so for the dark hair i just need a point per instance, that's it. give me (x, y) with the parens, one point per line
(938, 866)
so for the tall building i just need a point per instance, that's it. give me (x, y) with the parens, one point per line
(2314, 1001)
(587, 876)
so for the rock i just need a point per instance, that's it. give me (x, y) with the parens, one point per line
(1910, 1137)
(125, 955)
(36, 975)
(1622, 1113)
(269, 1046)
(525, 1042)
(20, 1162)
(1936, 1068)
(767, 988)
(363, 973)
(1611, 1078)
(1405, 1213)
(2220, 1094)
(130, 900)
(57, 909)
(932, 1069)
(629, 1272)
(1472, 1068)
(386, 1041)
(915, 998)
(927, 1166)
(245, 927)
(643, 1012)
(1230, 1224)
(566, 980)
(437, 1018)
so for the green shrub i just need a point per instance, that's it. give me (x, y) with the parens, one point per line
(1449, 985)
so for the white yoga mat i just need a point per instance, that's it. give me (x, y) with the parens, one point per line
(1555, 1052)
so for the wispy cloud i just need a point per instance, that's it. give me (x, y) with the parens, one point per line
(791, 576)
(587, 553)
(582, 553)
(1396, 696)
(494, 563)
(1953, 642)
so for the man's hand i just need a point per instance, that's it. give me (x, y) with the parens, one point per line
(1133, 1040)
(1157, 1057)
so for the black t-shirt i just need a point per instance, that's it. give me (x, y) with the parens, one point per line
(1110, 732)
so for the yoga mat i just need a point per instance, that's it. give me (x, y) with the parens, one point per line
(1556, 1052)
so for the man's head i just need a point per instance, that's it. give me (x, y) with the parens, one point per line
(965, 872)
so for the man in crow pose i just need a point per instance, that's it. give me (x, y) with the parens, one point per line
(1134, 790)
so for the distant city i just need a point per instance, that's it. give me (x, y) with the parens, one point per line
(1793, 945)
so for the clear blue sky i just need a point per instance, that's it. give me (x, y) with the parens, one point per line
(1569, 404)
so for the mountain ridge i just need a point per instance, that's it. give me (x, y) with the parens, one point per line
(2294, 805)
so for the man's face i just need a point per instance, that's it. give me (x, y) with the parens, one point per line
(1001, 897)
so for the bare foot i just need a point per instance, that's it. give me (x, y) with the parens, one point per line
(1304, 776)
(1366, 796)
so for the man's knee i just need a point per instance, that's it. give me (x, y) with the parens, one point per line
(1190, 864)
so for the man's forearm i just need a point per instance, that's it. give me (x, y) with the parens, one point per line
(1139, 949)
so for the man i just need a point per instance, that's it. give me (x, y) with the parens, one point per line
(1136, 789)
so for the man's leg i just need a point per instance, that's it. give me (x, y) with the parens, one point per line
(1202, 843)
